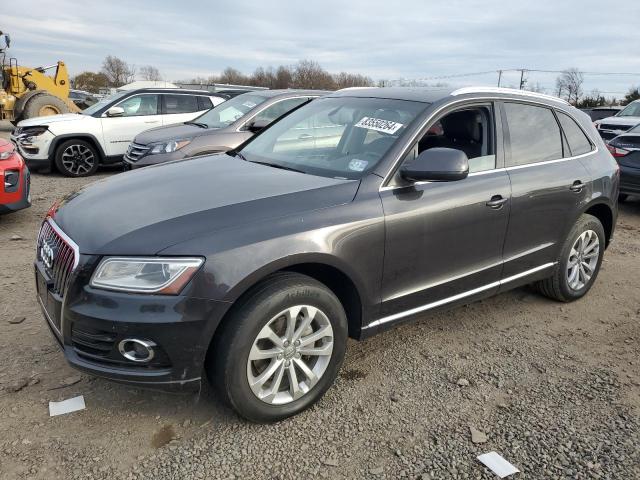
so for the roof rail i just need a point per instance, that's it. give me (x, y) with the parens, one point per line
(512, 91)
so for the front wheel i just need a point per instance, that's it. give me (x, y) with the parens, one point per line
(76, 158)
(579, 261)
(281, 349)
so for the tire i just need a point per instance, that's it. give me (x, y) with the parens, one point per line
(560, 285)
(76, 158)
(229, 366)
(43, 105)
(623, 197)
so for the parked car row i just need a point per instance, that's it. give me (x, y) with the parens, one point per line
(344, 218)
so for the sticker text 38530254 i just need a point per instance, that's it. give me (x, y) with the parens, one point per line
(379, 125)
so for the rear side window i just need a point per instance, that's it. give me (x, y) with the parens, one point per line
(180, 104)
(578, 141)
(204, 103)
(534, 133)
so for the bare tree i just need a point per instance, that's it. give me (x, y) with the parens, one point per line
(149, 72)
(232, 76)
(283, 77)
(118, 71)
(309, 74)
(569, 85)
(346, 80)
(90, 81)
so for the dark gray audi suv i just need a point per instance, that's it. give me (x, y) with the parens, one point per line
(356, 212)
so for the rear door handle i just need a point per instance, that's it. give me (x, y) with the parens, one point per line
(152, 121)
(497, 201)
(305, 136)
(577, 186)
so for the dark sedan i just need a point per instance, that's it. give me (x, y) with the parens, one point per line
(222, 128)
(625, 149)
(254, 267)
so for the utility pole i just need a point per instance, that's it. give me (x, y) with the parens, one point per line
(522, 80)
(499, 76)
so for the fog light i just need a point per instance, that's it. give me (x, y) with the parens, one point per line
(137, 350)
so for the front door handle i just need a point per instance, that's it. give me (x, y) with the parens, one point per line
(577, 186)
(305, 136)
(497, 201)
(152, 121)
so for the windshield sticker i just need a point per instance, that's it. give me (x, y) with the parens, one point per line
(249, 104)
(358, 165)
(379, 125)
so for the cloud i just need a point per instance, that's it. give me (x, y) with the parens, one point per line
(382, 39)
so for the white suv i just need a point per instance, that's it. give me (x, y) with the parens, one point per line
(77, 143)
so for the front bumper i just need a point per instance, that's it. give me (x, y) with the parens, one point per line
(25, 195)
(34, 149)
(148, 160)
(89, 324)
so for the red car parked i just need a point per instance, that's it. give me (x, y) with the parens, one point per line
(14, 192)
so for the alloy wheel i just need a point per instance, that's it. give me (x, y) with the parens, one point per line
(78, 159)
(583, 259)
(290, 354)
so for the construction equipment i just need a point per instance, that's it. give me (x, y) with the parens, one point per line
(29, 92)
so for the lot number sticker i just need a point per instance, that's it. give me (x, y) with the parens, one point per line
(358, 165)
(379, 125)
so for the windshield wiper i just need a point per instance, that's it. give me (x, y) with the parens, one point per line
(276, 165)
(197, 124)
(236, 153)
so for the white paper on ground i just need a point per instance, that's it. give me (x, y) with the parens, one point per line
(497, 464)
(66, 406)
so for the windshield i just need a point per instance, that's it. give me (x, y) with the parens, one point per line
(343, 137)
(631, 110)
(103, 103)
(228, 112)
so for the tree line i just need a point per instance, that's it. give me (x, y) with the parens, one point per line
(115, 72)
(569, 86)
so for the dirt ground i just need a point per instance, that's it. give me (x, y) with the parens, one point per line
(554, 387)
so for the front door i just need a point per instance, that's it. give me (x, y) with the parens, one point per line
(141, 112)
(444, 239)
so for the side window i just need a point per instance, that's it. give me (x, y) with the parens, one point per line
(204, 103)
(278, 109)
(578, 141)
(470, 130)
(180, 104)
(140, 105)
(534, 134)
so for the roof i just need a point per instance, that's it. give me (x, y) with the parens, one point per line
(430, 95)
(146, 84)
(288, 91)
(174, 91)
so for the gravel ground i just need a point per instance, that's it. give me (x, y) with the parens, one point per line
(554, 388)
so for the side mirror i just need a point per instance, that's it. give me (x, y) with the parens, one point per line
(258, 124)
(115, 112)
(438, 165)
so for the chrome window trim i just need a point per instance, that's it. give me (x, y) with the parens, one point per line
(459, 296)
(245, 122)
(414, 138)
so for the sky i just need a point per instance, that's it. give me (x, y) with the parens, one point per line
(409, 39)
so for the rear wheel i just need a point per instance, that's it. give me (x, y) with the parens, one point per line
(76, 158)
(579, 261)
(281, 349)
(43, 105)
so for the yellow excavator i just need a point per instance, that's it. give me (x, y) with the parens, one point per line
(29, 92)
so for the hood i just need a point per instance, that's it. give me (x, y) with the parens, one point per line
(170, 132)
(145, 211)
(622, 121)
(66, 117)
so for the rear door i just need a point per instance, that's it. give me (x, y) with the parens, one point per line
(141, 112)
(179, 108)
(549, 187)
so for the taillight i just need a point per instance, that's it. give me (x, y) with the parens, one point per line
(617, 152)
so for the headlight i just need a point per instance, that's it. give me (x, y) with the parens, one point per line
(166, 276)
(7, 154)
(33, 131)
(168, 147)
